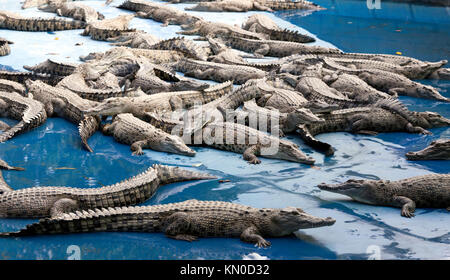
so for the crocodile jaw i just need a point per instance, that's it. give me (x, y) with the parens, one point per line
(439, 149)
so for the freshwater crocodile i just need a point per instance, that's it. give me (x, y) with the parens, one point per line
(21, 77)
(274, 48)
(224, 54)
(428, 191)
(252, 5)
(437, 150)
(140, 135)
(218, 72)
(260, 23)
(68, 105)
(102, 30)
(233, 137)
(159, 102)
(14, 21)
(5, 49)
(11, 86)
(137, 39)
(188, 47)
(186, 220)
(368, 120)
(217, 29)
(73, 10)
(30, 113)
(39, 202)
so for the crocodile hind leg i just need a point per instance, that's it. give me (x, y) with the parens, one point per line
(137, 147)
(87, 127)
(177, 227)
(63, 205)
(251, 235)
(408, 206)
(250, 154)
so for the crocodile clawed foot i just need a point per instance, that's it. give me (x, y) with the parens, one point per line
(254, 161)
(138, 153)
(407, 213)
(263, 243)
(185, 237)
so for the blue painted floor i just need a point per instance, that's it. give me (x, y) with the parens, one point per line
(52, 155)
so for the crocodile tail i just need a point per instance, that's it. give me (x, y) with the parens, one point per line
(309, 139)
(87, 127)
(290, 35)
(13, 131)
(172, 174)
(394, 105)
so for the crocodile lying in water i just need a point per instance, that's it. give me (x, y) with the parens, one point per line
(4, 46)
(186, 220)
(437, 150)
(73, 10)
(14, 21)
(39, 202)
(140, 135)
(66, 104)
(428, 191)
(260, 23)
(30, 113)
(367, 120)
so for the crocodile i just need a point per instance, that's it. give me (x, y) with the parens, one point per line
(48, 201)
(159, 102)
(73, 10)
(260, 23)
(158, 12)
(5, 49)
(232, 137)
(427, 191)
(187, 220)
(14, 21)
(66, 104)
(224, 54)
(440, 74)
(437, 150)
(30, 113)
(261, 118)
(102, 30)
(21, 77)
(218, 72)
(132, 131)
(181, 44)
(389, 82)
(368, 120)
(52, 67)
(11, 86)
(137, 39)
(275, 48)
(230, 6)
(217, 29)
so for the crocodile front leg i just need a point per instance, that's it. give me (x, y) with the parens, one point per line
(250, 154)
(417, 129)
(137, 147)
(63, 205)
(251, 235)
(408, 206)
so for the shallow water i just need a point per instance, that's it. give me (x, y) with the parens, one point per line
(52, 155)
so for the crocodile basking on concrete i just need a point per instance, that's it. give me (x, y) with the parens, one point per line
(68, 105)
(30, 113)
(428, 191)
(368, 120)
(130, 130)
(11, 86)
(186, 220)
(137, 39)
(260, 23)
(252, 5)
(159, 102)
(188, 47)
(218, 72)
(39, 202)
(217, 29)
(73, 10)
(14, 21)
(21, 77)
(437, 150)
(52, 67)
(274, 48)
(4, 46)
(224, 54)
(102, 30)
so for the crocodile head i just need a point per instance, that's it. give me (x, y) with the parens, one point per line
(290, 219)
(432, 119)
(290, 151)
(359, 190)
(110, 107)
(301, 116)
(173, 144)
(439, 149)
(318, 106)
